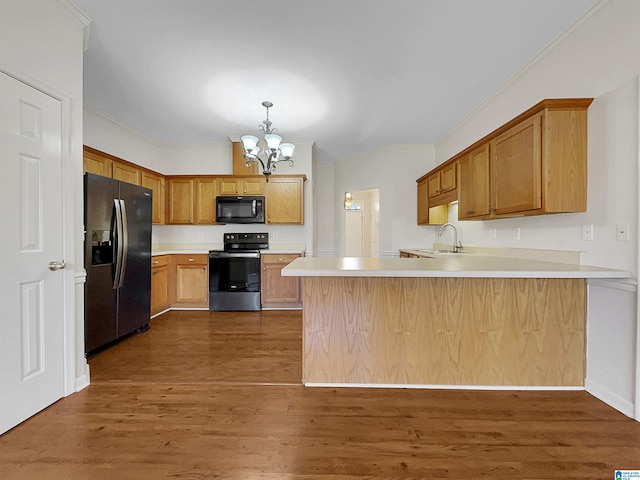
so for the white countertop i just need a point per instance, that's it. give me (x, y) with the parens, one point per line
(203, 248)
(460, 265)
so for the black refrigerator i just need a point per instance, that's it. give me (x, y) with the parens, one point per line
(117, 220)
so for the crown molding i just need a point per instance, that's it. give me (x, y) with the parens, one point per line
(593, 11)
(80, 18)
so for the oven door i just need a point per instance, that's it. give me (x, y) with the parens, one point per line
(234, 281)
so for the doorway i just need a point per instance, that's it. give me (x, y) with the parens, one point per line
(362, 225)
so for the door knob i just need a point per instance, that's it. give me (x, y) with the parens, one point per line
(57, 265)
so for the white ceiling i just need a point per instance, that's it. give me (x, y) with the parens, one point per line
(350, 75)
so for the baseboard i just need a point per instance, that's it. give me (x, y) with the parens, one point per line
(610, 398)
(445, 387)
(82, 381)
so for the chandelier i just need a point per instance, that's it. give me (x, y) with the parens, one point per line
(274, 150)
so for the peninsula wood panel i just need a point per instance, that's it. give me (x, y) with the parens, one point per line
(449, 331)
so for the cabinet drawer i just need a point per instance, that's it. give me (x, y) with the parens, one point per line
(196, 259)
(271, 258)
(159, 261)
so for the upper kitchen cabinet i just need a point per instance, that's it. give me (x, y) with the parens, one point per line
(423, 199)
(125, 173)
(436, 189)
(535, 164)
(233, 185)
(191, 200)
(474, 195)
(442, 184)
(96, 162)
(205, 200)
(155, 182)
(107, 165)
(180, 200)
(285, 199)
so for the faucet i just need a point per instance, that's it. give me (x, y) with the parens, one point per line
(457, 246)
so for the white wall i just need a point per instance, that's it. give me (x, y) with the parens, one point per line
(325, 232)
(598, 58)
(107, 135)
(41, 43)
(393, 171)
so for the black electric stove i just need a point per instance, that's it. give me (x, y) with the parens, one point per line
(234, 272)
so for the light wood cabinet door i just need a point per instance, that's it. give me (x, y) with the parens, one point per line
(516, 168)
(96, 163)
(156, 184)
(159, 283)
(192, 280)
(474, 195)
(180, 200)
(276, 290)
(241, 186)
(205, 208)
(229, 186)
(125, 173)
(253, 186)
(433, 184)
(448, 178)
(442, 185)
(423, 206)
(284, 200)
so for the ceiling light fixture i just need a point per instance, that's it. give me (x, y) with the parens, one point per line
(274, 151)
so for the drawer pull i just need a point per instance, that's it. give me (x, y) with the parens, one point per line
(192, 259)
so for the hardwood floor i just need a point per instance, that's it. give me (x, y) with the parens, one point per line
(203, 396)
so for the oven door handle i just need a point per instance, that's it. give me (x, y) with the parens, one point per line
(234, 254)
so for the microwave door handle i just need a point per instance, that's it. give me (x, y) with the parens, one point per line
(254, 208)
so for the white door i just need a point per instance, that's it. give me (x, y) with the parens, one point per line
(31, 295)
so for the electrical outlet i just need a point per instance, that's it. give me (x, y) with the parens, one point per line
(587, 232)
(516, 233)
(622, 232)
(274, 234)
(493, 234)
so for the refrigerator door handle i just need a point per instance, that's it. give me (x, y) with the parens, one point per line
(118, 241)
(125, 242)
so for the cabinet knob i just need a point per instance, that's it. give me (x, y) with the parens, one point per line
(192, 259)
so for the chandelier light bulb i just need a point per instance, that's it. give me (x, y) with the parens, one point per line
(286, 149)
(273, 141)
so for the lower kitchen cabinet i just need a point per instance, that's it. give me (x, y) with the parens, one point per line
(159, 283)
(191, 280)
(277, 291)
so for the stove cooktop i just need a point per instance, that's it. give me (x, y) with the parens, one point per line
(245, 241)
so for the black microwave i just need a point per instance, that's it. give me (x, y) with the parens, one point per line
(239, 209)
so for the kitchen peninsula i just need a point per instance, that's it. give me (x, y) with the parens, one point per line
(463, 320)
